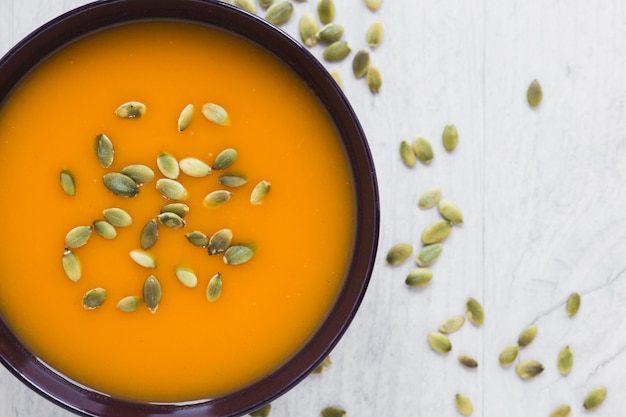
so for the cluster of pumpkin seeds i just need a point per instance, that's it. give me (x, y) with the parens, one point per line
(422, 150)
(128, 182)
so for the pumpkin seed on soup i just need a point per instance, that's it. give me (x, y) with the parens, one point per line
(129, 304)
(237, 255)
(220, 241)
(216, 198)
(131, 110)
(197, 238)
(143, 258)
(152, 293)
(398, 253)
(260, 192)
(78, 236)
(104, 150)
(172, 189)
(184, 119)
(94, 298)
(168, 165)
(149, 235)
(186, 276)
(225, 159)
(194, 167)
(104, 229)
(214, 288)
(71, 265)
(138, 172)
(117, 217)
(67, 182)
(171, 220)
(216, 114)
(120, 184)
(181, 209)
(232, 180)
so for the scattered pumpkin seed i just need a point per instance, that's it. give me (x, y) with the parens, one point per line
(214, 289)
(419, 277)
(263, 411)
(561, 411)
(220, 241)
(333, 412)
(105, 229)
(138, 173)
(184, 119)
(171, 220)
(129, 304)
(131, 110)
(248, 5)
(573, 304)
(594, 398)
(423, 150)
(172, 189)
(450, 212)
(181, 209)
(406, 154)
(337, 77)
(429, 198)
(308, 28)
(323, 366)
(152, 293)
(197, 238)
(534, 93)
(194, 167)
(565, 360)
(143, 258)
(232, 180)
(266, 3)
(216, 114)
(78, 236)
(237, 254)
(528, 369)
(375, 34)
(336, 51)
(428, 254)
(216, 198)
(474, 311)
(67, 182)
(71, 265)
(186, 276)
(467, 361)
(450, 137)
(439, 342)
(117, 217)
(259, 192)
(452, 324)
(361, 63)
(527, 335)
(168, 165)
(225, 159)
(463, 404)
(149, 235)
(279, 12)
(436, 232)
(508, 355)
(326, 11)
(94, 298)
(398, 253)
(374, 79)
(330, 33)
(104, 150)
(120, 184)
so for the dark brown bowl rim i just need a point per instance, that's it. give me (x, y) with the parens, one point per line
(96, 16)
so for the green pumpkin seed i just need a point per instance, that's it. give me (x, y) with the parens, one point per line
(168, 165)
(436, 232)
(225, 159)
(452, 324)
(198, 239)
(374, 34)
(423, 150)
(428, 254)
(450, 212)
(104, 150)
(406, 154)
(374, 79)
(149, 235)
(561, 411)
(117, 217)
(326, 11)
(143, 258)
(71, 265)
(78, 236)
(573, 304)
(527, 335)
(237, 255)
(474, 311)
(595, 398)
(323, 366)
(171, 220)
(439, 342)
(565, 360)
(508, 355)
(129, 304)
(214, 289)
(361, 63)
(450, 137)
(266, 3)
(232, 180)
(419, 277)
(152, 293)
(308, 28)
(330, 33)
(184, 119)
(94, 298)
(333, 412)
(429, 198)
(398, 253)
(467, 361)
(216, 198)
(337, 77)
(259, 192)
(105, 229)
(120, 184)
(172, 189)
(463, 404)
(336, 51)
(67, 183)
(279, 12)
(534, 93)
(263, 411)
(138, 173)
(186, 276)
(529, 369)
(220, 241)
(248, 5)
(194, 167)
(131, 110)
(216, 114)
(178, 208)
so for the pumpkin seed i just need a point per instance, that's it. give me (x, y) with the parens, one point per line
(152, 293)
(263, 411)
(171, 220)
(406, 154)
(573, 304)
(105, 229)
(246, 5)
(463, 404)
(450, 212)
(436, 232)
(259, 192)
(336, 51)
(323, 366)
(220, 241)
(529, 369)
(117, 217)
(474, 311)
(337, 77)
(186, 276)
(398, 253)
(120, 184)
(131, 110)
(565, 360)
(71, 265)
(194, 167)
(561, 411)
(266, 3)
(330, 33)
(308, 29)
(423, 150)
(326, 11)
(143, 258)
(104, 150)
(172, 189)
(333, 412)
(527, 335)
(361, 63)
(129, 304)
(508, 355)
(149, 235)
(452, 324)
(429, 198)
(184, 119)
(534, 93)
(94, 298)
(595, 398)
(214, 289)
(467, 361)
(78, 236)
(225, 159)
(374, 79)
(216, 114)
(439, 342)
(138, 173)
(450, 137)
(67, 182)
(232, 180)
(279, 12)
(178, 208)
(428, 254)
(374, 34)
(216, 198)
(197, 238)
(237, 255)
(419, 277)
(168, 165)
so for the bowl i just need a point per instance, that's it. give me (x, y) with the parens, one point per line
(352, 279)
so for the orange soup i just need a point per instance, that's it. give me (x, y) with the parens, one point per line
(302, 233)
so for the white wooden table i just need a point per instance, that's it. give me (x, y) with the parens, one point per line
(543, 193)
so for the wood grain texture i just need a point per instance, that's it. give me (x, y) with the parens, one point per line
(543, 194)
